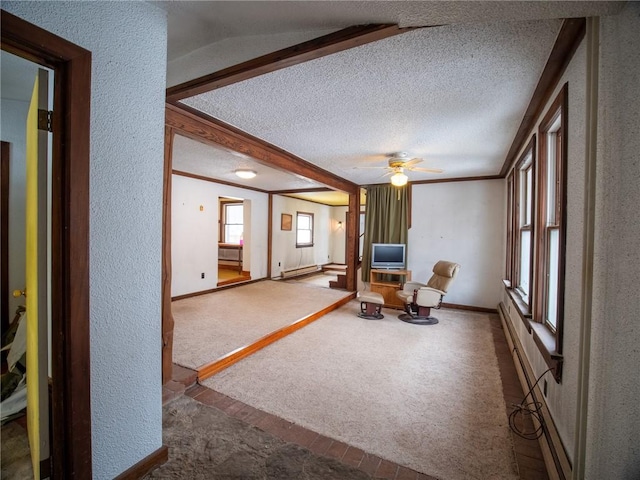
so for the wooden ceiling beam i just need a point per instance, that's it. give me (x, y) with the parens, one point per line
(303, 52)
(201, 127)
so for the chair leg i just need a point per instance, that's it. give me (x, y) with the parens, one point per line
(370, 311)
(421, 317)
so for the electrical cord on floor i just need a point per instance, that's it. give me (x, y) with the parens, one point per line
(528, 409)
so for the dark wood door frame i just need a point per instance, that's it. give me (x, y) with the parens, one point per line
(71, 393)
(4, 234)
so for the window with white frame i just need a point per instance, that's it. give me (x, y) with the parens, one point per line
(232, 222)
(304, 229)
(536, 232)
(524, 244)
(551, 230)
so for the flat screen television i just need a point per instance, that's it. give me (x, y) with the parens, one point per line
(390, 256)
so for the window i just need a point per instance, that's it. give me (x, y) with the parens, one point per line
(304, 229)
(536, 230)
(550, 236)
(232, 222)
(524, 211)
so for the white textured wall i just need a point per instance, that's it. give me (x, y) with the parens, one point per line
(339, 234)
(460, 222)
(14, 121)
(194, 233)
(284, 254)
(128, 45)
(613, 433)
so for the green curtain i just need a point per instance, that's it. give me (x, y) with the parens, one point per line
(386, 220)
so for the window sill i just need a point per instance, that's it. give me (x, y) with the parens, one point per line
(546, 342)
(522, 308)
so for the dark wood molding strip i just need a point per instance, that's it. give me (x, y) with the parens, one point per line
(214, 180)
(199, 126)
(345, 39)
(145, 465)
(470, 308)
(71, 390)
(318, 202)
(213, 290)
(523, 310)
(302, 190)
(571, 34)
(457, 179)
(226, 361)
(167, 315)
(5, 151)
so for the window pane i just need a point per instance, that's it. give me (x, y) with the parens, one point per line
(234, 214)
(303, 222)
(551, 179)
(552, 279)
(525, 261)
(304, 236)
(232, 233)
(528, 196)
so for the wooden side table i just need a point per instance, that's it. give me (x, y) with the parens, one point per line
(387, 283)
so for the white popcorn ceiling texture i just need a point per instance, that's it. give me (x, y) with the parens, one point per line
(453, 95)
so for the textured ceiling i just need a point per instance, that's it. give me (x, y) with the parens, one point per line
(453, 95)
(194, 24)
(205, 160)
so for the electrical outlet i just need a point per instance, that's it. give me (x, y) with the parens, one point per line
(202, 275)
(279, 263)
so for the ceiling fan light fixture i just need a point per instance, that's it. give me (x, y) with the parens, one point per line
(245, 173)
(399, 179)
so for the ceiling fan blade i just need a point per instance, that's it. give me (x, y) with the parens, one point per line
(427, 170)
(366, 166)
(412, 162)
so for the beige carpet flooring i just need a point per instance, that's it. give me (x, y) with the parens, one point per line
(426, 397)
(212, 325)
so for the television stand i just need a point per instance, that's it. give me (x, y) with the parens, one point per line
(389, 285)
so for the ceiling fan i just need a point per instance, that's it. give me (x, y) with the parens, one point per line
(398, 163)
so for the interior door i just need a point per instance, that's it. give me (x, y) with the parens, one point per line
(36, 274)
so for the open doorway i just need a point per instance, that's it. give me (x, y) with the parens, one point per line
(234, 266)
(26, 338)
(68, 280)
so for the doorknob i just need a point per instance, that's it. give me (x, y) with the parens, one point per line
(20, 293)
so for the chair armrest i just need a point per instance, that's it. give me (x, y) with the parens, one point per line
(406, 294)
(429, 297)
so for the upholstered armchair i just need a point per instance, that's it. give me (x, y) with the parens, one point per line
(420, 298)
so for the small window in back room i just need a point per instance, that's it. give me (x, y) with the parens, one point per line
(232, 219)
(304, 229)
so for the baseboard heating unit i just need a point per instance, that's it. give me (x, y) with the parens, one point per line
(299, 271)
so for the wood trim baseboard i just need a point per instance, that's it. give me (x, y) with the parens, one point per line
(229, 359)
(212, 290)
(457, 179)
(145, 465)
(471, 308)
